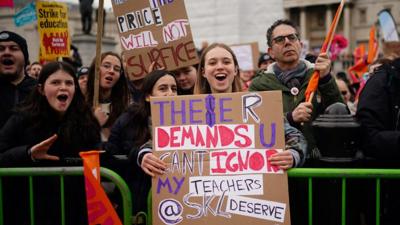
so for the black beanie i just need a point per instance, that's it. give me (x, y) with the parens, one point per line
(11, 36)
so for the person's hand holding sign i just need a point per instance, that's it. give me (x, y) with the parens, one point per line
(282, 159)
(152, 165)
(39, 151)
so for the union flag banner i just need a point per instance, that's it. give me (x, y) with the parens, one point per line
(52, 18)
(100, 210)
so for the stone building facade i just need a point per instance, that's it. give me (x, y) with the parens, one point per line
(314, 17)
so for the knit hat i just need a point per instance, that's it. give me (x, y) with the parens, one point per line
(264, 57)
(11, 36)
(82, 71)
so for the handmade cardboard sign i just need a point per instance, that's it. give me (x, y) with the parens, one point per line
(217, 149)
(154, 31)
(52, 19)
(247, 55)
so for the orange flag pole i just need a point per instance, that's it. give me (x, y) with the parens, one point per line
(313, 83)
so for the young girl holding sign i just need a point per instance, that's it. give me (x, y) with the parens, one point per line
(133, 130)
(219, 73)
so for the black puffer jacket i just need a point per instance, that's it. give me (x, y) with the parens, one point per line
(16, 137)
(379, 113)
(122, 142)
(11, 95)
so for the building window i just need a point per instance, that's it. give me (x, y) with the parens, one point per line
(363, 15)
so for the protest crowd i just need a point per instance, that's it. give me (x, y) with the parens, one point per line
(48, 115)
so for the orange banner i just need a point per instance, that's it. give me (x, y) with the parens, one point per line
(100, 209)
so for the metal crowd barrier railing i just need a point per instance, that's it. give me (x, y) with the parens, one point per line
(307, 173)
(344, 174)
(61, 172)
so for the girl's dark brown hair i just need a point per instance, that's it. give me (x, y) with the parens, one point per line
(119, 94)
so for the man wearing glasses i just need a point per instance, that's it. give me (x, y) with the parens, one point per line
(290, 74)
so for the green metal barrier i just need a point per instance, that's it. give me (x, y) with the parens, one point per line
(61, 172)
(307, 173)
(344, 174)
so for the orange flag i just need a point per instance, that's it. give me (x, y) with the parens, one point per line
(100, 210)
(362, 61)
(313, 83)
(372, 46)
(360, 66)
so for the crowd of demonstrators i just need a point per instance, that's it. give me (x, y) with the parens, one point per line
(58, 120)
(131, 135)
(113, 91)
(15, 85)
(53, 124)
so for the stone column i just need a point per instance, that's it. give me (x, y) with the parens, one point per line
(303, 23)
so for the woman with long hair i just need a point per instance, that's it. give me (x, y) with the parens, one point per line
(54, 113)
(133, 130)
(226, 81)
(53, 125)
(113, 91)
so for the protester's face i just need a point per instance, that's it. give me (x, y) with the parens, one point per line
(344, 90)
(11, 60)
(219, 70)
(186, 77)
(246, 75)
(165, 86)
(286, 46)
(59, 90)
(83, 83)
(35, 70)
(110, 71)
